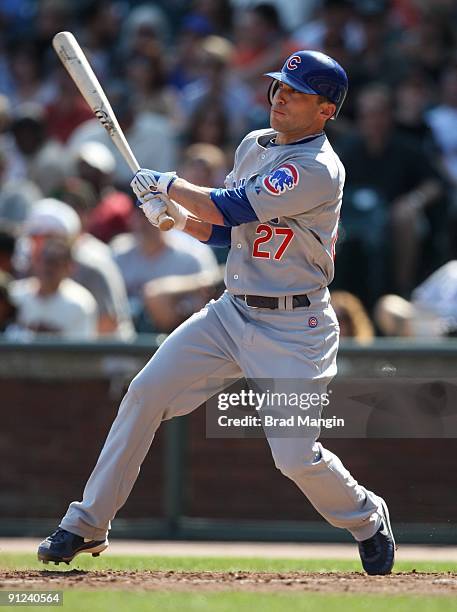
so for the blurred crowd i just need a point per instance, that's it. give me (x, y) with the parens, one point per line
(78, 260)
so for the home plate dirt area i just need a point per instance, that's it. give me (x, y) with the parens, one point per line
(339, 582)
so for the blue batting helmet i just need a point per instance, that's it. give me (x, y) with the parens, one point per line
(312, 72)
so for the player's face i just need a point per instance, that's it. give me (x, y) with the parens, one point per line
(295, 115)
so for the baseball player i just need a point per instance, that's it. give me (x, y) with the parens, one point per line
(279, 213)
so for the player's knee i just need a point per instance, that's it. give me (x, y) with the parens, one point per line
(292, 470)
(148, 384)
(138, 387)
(294, 465)
(148, 392)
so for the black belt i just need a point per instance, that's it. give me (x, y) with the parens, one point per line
(262, 301)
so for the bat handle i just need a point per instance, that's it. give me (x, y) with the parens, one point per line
(166, 222)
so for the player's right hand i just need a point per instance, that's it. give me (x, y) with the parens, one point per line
(153, 205)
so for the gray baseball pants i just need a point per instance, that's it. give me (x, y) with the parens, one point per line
(225, 340)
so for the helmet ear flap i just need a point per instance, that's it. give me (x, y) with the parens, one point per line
(272, 90)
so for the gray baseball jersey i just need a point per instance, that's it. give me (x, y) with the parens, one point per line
(295, 191)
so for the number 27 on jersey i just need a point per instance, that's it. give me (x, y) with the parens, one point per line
(266, 233)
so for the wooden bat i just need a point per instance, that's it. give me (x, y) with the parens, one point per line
(77, 66)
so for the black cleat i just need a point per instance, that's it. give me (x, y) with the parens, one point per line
(63, 546)
(378, 552)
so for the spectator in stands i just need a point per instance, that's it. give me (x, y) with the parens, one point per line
(145, 27)
(442, 119)
(11, 166)
(7, 246)
(5, 117)
(390, 186)
(53, 218)
(67, 110)
(216, 85)
(352, 317)
(432, 311)
(146, 80)
(7, 307)
(183, 70)
(150, 135)
(209, 124)
(144, 38)
(100, 27)
(37, 158)
(170, 300)
(31, 83)
(16, 197)
(51, 16)
(81, 196)
(110, 216)
(50, 302)
(89, 253)
(331, 18)
(147, 254)
(412, 98)
(261, 44)
(203, 164)
(218, 13)
(431, 43)
(206, 165)
(373, 57)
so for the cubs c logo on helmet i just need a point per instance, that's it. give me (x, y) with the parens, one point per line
(281, 179)
(292, 63)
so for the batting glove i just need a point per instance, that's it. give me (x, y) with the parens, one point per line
(153, 205)
(178, 212)
(149, 181)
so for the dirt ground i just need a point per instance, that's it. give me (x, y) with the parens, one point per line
(399, 583)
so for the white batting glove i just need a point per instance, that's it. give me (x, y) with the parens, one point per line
(178, 212)
(150, 181)
(153, 205)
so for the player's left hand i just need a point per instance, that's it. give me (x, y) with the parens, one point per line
(150, 181)
(153, 205)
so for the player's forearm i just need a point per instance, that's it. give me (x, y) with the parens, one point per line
(196, 200)
(201, 230)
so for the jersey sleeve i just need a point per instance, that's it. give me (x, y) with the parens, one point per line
(233, 205)
(290, 189)
(220, 236)
(229, 181)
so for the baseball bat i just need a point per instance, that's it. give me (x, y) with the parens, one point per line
(77, 66)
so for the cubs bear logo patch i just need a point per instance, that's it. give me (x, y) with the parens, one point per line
(284, 178)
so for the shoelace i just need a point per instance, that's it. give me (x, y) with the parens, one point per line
(58, 535)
